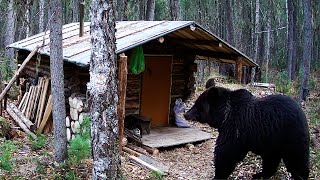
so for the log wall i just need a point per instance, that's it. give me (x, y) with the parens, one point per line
(76, 79)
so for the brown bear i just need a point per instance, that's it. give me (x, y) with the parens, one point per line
(273, 127)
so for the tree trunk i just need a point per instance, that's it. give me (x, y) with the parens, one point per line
(175, 10)
(295, 41)
(150, 10)
(75, 10)
(27, 18)
(257, 28)
(290, 37)
(9, 35)
(102, 89)
(229, 22)
(41, 15)
(142, 9)
(57, 81)
(125, 10)
(307, 48)
(268, 42)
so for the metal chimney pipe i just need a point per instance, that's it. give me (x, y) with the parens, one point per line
(81, 14)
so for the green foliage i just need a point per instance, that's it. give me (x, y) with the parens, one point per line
(161, 10)
(155, 175)
(4, 127)
(283, 84)
(79, 147)
(6, 70)
(71, 175)
(6, 150)
(39, 142)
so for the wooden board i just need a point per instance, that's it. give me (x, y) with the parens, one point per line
(172, 136)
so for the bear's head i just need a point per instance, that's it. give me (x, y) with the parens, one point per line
(211, 107)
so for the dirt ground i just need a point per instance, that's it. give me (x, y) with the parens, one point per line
(186, 162)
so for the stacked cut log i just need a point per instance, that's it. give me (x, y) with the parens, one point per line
(35, 107)
(78, 111)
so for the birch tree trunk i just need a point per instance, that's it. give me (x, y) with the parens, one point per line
(290, 37)
(256, 29)
(27, 18)
(41, 15)
(307, 48)
(268, 42)
(57, 82)
(102, 88)
(9, 35)
(175, 10)
(150, 10)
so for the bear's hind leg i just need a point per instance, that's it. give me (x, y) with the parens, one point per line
(298, 166)
(269, 167)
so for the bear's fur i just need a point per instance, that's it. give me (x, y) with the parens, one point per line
(273, 127)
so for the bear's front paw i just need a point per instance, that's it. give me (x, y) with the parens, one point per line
(257, 176)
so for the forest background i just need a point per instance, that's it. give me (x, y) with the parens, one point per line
(270, 32)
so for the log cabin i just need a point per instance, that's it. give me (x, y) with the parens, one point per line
(170, 49)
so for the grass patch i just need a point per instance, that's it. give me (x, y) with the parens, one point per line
(155, 175)
(6, 151)
(39, 142)
(79, 147)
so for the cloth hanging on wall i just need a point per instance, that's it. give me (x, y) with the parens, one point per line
(137, 64)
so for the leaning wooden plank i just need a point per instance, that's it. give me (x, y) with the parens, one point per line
(16, 75)
(149, 166)
(35, 106)
(26, 121)
(42, 101)
(46, 115)
(17, 119)
(25, 108)
(23, 99)
(31, 102)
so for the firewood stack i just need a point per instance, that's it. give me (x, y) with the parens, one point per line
(78, 111)
(35, 107)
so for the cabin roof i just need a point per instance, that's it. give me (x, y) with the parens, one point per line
(130, 34)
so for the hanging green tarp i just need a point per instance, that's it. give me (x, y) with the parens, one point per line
(137, 60)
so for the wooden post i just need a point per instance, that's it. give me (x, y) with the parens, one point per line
(122, 75)
(23, 65)
(239, 69)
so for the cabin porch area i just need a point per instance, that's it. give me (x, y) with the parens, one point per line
(173, 136)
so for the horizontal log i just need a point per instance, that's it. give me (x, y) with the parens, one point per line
(149, 166)
(131, 152)
(18, 120)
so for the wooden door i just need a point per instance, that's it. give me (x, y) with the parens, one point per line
(156, 86)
